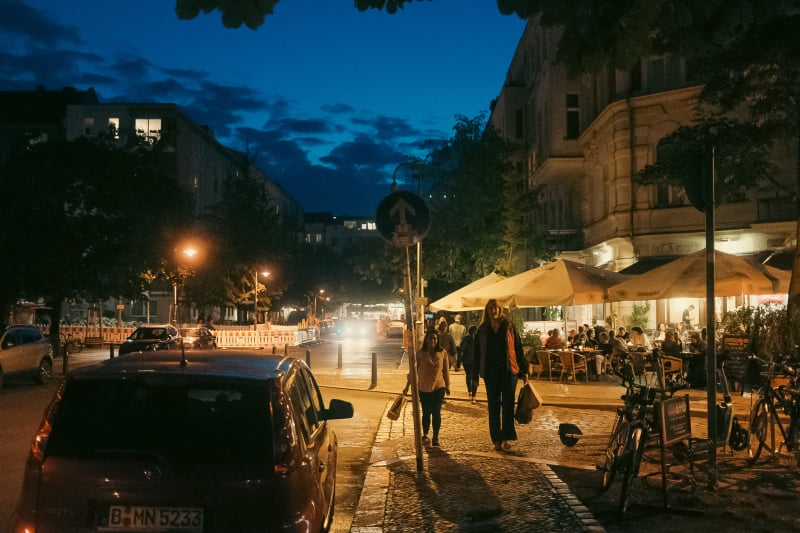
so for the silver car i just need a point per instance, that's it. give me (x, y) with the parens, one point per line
(24, 350)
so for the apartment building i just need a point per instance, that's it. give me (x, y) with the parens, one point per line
(582, 140)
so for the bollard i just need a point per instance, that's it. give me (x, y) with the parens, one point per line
(274, 349)
(340, 357)
(374, 371)
(286, 350)
(308, 357)
(111, 351)
(65, 367)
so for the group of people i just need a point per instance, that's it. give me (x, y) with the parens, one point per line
(492, 351)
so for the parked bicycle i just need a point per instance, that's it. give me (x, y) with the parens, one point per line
(633, 427)
(70, 344)
(769, 428)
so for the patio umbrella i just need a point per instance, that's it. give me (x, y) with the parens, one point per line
(561, 282)
(452, 302)
(685, 277)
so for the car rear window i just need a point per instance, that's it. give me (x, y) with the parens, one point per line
(196, 421)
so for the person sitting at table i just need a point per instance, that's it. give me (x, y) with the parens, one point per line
(619, 350)
(696, 375)
(623, 334)
(661, 332)
(554, 341)
(596, 361)
(671, 346)
(591, 339)
(639, 339)
(681, 333)
(579, 340)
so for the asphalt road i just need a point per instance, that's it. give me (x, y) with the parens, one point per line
(22, 404)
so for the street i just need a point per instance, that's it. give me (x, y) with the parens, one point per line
(22, 404)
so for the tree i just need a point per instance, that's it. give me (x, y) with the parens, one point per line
(477, 202)
(87, 221)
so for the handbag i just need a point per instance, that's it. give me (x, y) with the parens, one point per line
(397, 407)
(528, 400)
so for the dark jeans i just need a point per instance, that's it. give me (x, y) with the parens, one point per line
(432, 410)
(471, 372)
(500, 393)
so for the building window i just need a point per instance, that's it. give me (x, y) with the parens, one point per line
(113, 127)
(88, 126)
(573, 116)
(149, 129)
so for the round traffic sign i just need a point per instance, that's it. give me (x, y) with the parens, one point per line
(402, 218)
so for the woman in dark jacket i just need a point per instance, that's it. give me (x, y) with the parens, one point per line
(501, 362)
(469, 362)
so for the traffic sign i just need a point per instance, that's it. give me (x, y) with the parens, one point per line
(402, 218)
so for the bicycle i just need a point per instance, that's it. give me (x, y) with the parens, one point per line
(766, 417)
(632, 429)
(69, 344)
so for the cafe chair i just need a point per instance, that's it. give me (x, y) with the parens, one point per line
(536, 368)
(546, 360)
(572, 363)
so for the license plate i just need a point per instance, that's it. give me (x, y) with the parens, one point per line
(152, 518)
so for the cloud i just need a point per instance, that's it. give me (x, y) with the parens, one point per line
(34, 29)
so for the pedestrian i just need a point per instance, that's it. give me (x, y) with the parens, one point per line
(446, 341)
(501, 363)
(457, 330)
(468, 360)
(433, 382)
(687, 317)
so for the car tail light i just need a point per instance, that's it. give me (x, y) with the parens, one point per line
(39, 443)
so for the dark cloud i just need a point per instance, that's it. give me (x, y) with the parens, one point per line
(339, 109)
(30, 25)
(387, 128)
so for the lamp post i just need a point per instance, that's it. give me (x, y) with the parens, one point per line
(321, 292)
(420, 292)
(189, 252)
(255, 296)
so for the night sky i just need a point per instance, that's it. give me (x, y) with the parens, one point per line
(329, 99)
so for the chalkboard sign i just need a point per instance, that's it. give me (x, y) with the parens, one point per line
(735, 344)
(676, 424)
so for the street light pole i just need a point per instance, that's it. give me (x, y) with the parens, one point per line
(255, 296)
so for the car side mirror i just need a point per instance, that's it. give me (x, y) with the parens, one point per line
(338, 409)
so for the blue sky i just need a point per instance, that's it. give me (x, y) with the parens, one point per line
(329, 99)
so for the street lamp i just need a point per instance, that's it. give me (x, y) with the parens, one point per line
(321, 292)
(189, 252)
(255, 296)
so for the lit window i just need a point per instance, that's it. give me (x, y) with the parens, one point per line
(113, 127)
(149, 129)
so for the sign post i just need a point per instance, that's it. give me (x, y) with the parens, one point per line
(403, 219)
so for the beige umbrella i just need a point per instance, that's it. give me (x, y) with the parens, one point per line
(561, 282)
(685, 277)
(452, 302)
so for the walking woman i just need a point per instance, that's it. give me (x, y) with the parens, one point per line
(501, 362)
(469, 362)
(433, 377)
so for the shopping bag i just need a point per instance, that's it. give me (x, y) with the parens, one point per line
(537, 400)
(397, 407)
(523, 414)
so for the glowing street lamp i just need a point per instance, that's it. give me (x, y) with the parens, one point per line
(189, 252)
(255, 296)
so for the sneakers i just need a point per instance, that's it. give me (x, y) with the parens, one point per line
(435, 442)
(506, 445)
(473, 399)
(425, 440)
(498, 446)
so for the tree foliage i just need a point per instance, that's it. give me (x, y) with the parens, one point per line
(477, 204)
(87, 221)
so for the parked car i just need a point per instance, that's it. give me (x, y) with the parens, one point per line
(24, 350)
(234, 441)
(150, 338)
(198, 338)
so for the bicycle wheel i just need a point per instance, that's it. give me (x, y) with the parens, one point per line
(759, 420)
(616, 447)
(630, 467)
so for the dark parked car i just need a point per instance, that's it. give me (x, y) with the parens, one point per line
(198, 338)
(165, 441)
(150, 338)
(24, 350)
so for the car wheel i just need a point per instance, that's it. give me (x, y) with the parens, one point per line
(45, 371)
